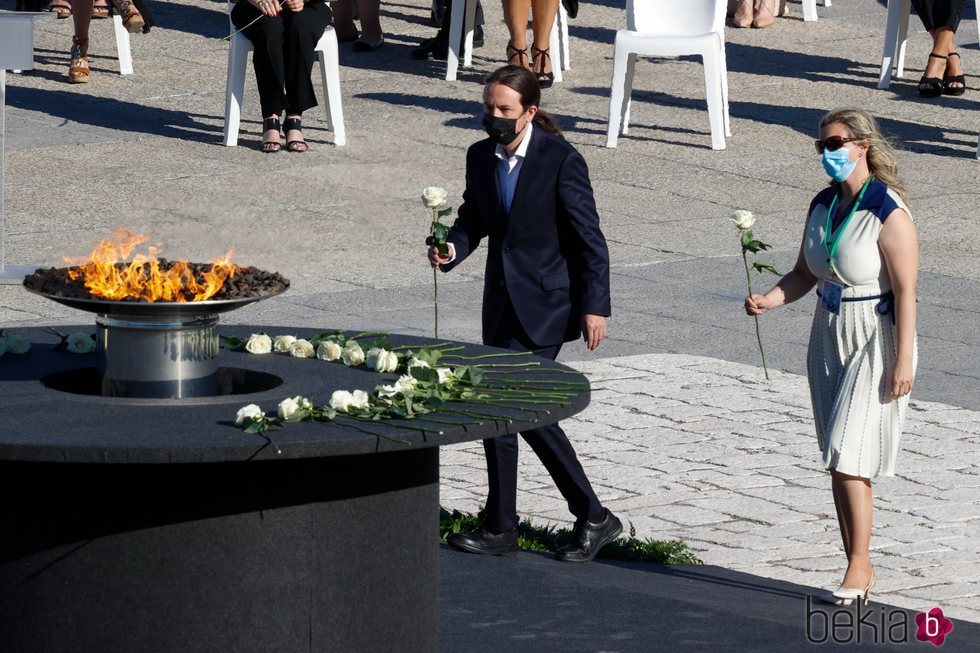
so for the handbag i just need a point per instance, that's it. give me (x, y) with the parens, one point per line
(571, 7)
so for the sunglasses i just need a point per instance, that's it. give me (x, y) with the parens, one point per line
(832, 143)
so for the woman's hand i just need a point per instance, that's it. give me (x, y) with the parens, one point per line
(756, 305)
(294, 6)
(267, 7)
(902, 378)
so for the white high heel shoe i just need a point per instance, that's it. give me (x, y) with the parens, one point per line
(847, 595)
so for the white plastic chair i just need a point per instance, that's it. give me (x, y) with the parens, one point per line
(123, 51)
(668, 28)
(810, 9)
(463, 22)
(896, 38)
(329, 58)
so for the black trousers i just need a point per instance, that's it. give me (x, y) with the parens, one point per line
(939, 13)
(284, 54)
(549, 443)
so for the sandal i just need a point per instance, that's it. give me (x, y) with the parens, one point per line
(60, 8)
(270, 124)
(545, 80)
(131, 17)
(100, 9)
(294, 124)
(949, 80)
(78, 70)
(931, 86)
(519, 53)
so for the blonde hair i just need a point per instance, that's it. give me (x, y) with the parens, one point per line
(881, 155)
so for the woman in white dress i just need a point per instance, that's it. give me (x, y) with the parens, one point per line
(860, 250)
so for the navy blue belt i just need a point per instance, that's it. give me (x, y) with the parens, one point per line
(886, 302)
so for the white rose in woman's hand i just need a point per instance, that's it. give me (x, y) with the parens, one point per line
(743, 219)
(434, 197)
(258, 343)
(282, 343)
(302, 349)
(328, 351)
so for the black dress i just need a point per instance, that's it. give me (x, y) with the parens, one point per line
(939, 13)
(284, 54)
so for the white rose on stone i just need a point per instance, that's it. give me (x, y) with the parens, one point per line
(415, 362)
(743, 219)
(252, 411)
(81, 343)
(382, 360)
(434, 197)
(445, 375)
(258, 343)
(18, 344)
(302, 349)
(281, 344)
(341, 401)
(328, 350)
(361, 400)
(294, 409)
(352, 354)
(406, 384)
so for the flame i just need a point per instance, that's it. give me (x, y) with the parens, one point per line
(106, 272)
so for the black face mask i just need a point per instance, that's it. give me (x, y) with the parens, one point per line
(500, 130)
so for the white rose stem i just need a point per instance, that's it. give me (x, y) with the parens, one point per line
(758, 333)
(435, 281)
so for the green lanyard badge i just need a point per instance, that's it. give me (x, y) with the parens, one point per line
(831, 240)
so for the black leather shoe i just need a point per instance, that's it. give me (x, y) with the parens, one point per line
(483, 541)
(438, 46)
(589, 537)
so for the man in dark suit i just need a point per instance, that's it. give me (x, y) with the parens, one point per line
(546, 282)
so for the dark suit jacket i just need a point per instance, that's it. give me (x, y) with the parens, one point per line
(548, 255)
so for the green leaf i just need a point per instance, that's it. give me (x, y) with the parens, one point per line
(765, 267)
(425, 374)
(231, 343)
(444, 212)
(746, 237)
(440, 231)
(755, 246)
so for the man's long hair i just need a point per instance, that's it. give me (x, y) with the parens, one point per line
(524, 82)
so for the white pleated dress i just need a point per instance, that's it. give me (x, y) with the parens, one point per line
(851, 355)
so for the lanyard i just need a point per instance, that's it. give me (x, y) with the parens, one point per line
(831, 240)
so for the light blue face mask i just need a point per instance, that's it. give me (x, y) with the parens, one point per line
(838, 163)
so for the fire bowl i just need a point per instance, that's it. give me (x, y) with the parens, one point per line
(154, 349)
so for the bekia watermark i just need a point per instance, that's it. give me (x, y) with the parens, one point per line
(860, 623)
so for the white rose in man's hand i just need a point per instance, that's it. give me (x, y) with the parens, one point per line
(258, 343)
(434, 197)
(743, 219)
(252, 411)
(302, 349)
(282, 344)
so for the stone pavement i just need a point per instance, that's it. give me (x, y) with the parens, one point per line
(684, 440)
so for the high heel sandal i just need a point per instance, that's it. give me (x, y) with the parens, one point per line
(290, 124)
(765, 15)
(78, 70)
(60, 8)
(517, 52)
(100, 9)
(268, 124)
(931, 86)
(131, 17)
(743, 13)
(545, 80)
(846, 595)
(949, 80)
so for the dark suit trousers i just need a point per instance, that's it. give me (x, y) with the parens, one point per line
(549, 443)
(284, 54)
(939, 13)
